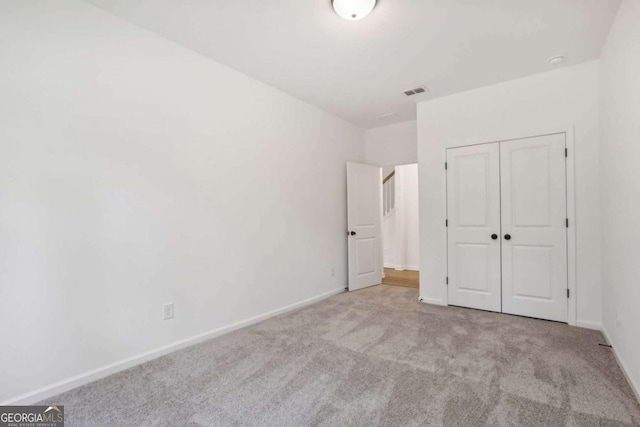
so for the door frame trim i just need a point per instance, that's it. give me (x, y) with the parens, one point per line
(571, 210)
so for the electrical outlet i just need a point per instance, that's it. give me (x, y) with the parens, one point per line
(333, 272)
(167, 311)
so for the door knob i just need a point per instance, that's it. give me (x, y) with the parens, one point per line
(494, 236)
(353, 233)
(507, 237)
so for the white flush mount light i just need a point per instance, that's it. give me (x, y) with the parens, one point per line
(556, 60)
(352, 10)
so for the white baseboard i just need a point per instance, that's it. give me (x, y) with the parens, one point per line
(431, 301)
(635, 387)
(589, 325)
(96, 374)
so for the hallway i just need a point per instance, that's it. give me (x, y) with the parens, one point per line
(404, 278)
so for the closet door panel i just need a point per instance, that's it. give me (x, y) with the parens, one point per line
(473, 211)
(534, 235)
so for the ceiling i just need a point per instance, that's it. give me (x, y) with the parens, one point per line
(359, 70)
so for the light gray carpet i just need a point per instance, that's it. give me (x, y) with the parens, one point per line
(372, 357)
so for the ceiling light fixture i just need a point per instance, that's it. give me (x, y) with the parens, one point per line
(352, 10)
(556, 60)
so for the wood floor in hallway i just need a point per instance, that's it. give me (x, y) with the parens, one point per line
(404, 278)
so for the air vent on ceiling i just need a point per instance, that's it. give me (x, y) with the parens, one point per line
(387, 116)
(415, 91)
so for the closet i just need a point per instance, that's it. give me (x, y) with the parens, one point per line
(507, 227)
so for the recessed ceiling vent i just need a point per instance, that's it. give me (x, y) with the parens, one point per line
(416, 91)
(387, 116)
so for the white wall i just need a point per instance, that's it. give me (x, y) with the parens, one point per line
(134, 172)
(400, 228)
(392, 145)
(534, 105)
(620, 162)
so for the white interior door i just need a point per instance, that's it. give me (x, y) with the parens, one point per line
(364, 198)
(473, 211)
(534, 233)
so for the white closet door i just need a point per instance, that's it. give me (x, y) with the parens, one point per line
(534, 234)
(473, 211)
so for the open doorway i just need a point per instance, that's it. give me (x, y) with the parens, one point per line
(400, 227)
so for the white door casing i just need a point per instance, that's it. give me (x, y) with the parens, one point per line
(364, 222)
(473, 212)
(533, 215)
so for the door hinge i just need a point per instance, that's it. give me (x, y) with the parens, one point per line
(567, 222)
(447, 280)
(567, 292)
(446, 222)
(566, 152)
(445, 165)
